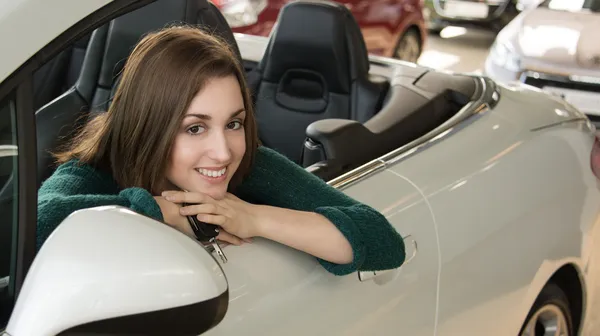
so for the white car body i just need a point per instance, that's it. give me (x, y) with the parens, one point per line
(491, 205)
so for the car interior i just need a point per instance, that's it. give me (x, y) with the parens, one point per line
(58, 75)
(310, 73)
(315, 100)
(104, 59)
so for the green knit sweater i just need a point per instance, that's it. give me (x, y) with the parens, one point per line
(273, 180)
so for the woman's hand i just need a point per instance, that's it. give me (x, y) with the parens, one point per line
(232, 214)
(172, 217)
(303, 230)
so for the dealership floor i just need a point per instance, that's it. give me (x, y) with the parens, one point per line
(457, 49)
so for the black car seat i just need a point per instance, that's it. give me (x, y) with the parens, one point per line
(105, 57)
(59, 74)
(315, 67)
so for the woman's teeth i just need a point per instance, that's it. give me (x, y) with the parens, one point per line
(212, 173)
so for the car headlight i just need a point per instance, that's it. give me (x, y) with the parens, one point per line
(504, 55)
(240, 13)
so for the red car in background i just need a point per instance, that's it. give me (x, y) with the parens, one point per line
(392, 28)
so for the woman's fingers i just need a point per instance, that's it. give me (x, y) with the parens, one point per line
(212, 219)
(186, 197)
(206, 208)
(227, 237)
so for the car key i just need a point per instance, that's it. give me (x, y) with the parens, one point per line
(206, 233)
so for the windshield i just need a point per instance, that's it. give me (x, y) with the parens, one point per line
(572, 5)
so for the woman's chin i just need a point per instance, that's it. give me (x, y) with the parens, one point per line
(215, 193)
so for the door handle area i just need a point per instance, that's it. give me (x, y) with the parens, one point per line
(368, 275)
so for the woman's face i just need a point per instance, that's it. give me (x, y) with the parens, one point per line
(210, 143)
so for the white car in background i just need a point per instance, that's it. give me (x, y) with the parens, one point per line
(555, 47)
(494, 187)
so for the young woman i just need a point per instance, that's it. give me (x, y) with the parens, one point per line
(181, 130)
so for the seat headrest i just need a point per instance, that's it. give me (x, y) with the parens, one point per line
(318, 37)
(126, 31)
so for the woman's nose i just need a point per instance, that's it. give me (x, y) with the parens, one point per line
(220, 148)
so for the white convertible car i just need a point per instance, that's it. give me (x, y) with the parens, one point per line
(493, 186)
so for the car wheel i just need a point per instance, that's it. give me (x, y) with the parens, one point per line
(408, 47)
(550, 314)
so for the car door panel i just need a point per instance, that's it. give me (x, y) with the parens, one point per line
(511, 204)
(276, 290)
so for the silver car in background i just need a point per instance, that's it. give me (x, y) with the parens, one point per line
(554, 47)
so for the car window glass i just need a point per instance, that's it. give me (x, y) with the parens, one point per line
(8, 206)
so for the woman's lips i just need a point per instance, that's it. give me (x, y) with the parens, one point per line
(213, 175)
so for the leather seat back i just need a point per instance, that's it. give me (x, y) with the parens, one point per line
(59, 74)
(315, 67)
(107, 52)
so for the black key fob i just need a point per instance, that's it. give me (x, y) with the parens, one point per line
(204, 232)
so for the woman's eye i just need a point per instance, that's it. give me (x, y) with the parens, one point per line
(195, 129)
(234, 125)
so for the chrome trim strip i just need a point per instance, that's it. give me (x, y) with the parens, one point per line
(9, 150)
(585, 79)
(358, 173)
(428, 139)
(560, 123)
(555, 77)
(474, 109)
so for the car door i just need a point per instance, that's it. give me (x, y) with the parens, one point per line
(16, 239)
(18, 156)
(8, 215)
(275, 290)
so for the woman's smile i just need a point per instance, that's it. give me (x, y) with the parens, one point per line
(216, 144)
(213, 175)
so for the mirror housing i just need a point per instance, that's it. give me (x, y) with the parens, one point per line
(110, 271)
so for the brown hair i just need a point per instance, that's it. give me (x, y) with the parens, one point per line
(166, 69)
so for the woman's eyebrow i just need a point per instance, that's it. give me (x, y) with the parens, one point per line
(207, 117)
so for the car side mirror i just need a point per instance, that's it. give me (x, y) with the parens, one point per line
(110, 271)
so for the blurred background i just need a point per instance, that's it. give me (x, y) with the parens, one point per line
(549, 44)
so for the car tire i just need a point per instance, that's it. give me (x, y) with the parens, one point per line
(550, 314)
(409, 47)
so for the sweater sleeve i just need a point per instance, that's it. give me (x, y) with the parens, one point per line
(277, 181)
(73, 187)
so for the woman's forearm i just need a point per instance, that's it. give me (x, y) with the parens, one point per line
(305, 231)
